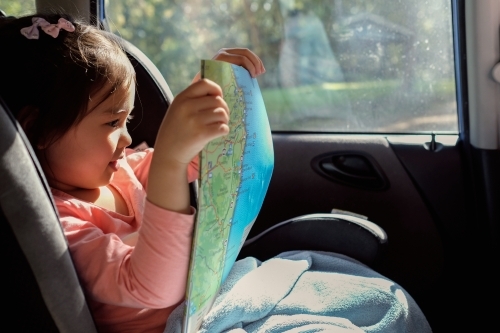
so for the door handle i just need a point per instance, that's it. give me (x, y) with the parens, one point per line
(356, 169)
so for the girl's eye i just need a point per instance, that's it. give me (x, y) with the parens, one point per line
(114, 123)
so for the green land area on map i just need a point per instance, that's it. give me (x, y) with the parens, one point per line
(220, 178)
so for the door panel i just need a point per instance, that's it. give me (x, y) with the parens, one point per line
(414, 255)
(439, 176)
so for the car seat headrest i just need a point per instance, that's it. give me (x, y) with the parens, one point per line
(152, 98)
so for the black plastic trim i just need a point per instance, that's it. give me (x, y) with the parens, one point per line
(377, 182)
(460, 54)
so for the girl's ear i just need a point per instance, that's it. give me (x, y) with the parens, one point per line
(27, 117)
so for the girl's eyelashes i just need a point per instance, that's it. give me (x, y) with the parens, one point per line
(116, 123)
(113, 123)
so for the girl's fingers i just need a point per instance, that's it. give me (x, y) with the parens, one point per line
(205, 112)
(249, 54)
(208, 104)
(201, 88)
(242, 57)
(215, 130)
(211, 116)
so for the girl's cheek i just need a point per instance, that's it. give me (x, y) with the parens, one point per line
(113, 137)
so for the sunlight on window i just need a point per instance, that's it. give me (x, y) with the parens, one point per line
(332, 66)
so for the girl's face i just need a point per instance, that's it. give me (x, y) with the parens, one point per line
(88, 155)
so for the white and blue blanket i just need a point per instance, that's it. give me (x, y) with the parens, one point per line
(308, 292)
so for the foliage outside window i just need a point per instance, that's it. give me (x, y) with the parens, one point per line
(341, 65)
(18, 7)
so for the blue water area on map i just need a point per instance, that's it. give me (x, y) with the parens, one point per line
(258, 163)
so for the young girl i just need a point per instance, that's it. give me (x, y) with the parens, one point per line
(126, 214)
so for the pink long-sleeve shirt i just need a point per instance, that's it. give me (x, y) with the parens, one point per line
(129, 289)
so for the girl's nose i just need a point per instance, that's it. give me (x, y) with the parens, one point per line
(125, 138)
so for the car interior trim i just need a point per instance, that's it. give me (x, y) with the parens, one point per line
(482, 20)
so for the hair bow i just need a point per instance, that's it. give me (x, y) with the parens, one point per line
(31, 32)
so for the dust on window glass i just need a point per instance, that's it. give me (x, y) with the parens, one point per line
(17, 7)
(341, 65)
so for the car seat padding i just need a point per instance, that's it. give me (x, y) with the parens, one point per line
(27, 211)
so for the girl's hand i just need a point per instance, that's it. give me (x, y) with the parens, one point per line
(241, 57)
(197, 115)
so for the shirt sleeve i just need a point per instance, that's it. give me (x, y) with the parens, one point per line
(140, 162)
(151, 275)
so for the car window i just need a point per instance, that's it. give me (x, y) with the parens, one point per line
(17, 7)
(332, 66)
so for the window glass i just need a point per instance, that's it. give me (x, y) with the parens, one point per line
(18, 7)
(332, 65)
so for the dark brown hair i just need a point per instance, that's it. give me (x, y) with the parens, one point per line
(48, 81)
